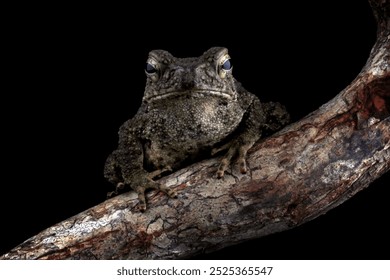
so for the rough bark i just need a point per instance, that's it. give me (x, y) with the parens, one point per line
(296, 175)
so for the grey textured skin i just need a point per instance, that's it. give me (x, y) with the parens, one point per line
(192, 108)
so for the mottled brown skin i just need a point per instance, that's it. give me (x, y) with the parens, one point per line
(192, 107)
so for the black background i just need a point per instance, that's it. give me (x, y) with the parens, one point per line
(77, 74)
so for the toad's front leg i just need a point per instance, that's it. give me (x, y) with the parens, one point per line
(269, 116)
(248, 133)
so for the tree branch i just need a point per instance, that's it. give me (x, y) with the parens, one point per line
(295, 175)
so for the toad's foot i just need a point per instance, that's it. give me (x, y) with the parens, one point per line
(146, 184)
(237, 149)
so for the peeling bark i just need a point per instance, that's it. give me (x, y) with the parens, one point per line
(295, 175)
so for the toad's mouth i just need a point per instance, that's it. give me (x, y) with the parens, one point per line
(189, 93)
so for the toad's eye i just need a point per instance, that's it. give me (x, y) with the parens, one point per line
(224, 66)
(227, 65)
(150, 69)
